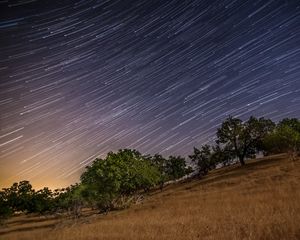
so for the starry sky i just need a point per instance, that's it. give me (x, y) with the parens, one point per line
(81, 78)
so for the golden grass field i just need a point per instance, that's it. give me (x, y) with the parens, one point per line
(258, 201)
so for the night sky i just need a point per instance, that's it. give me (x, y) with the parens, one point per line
(81, 78)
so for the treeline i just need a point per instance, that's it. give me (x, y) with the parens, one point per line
(122, 177)
(110, 183)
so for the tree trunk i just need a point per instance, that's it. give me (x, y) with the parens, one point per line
(242, 161)
(161, 186)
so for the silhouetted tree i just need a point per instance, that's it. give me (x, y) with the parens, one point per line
(221, 155)
(202, 158)
(176, 167)
(5, 209)
(19, 196)
(41, 201)
(244, 138)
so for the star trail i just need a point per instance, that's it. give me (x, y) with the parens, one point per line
(81, 78)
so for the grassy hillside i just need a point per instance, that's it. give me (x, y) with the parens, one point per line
(258, 201)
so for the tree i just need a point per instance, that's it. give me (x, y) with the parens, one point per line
(160, 163)
(70, 199)
(41, 201)
(176, 167)
(221, 155)
(285, 138)
(19, 196)
(76, 199)
(244, 138)
(292, 123)
(202, 158)
(5, 209)
(119, 174)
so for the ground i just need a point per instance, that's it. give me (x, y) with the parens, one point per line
(258, 201)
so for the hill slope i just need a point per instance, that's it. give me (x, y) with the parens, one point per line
(258, 201)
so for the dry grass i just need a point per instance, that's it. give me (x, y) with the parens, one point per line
(258, 201)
